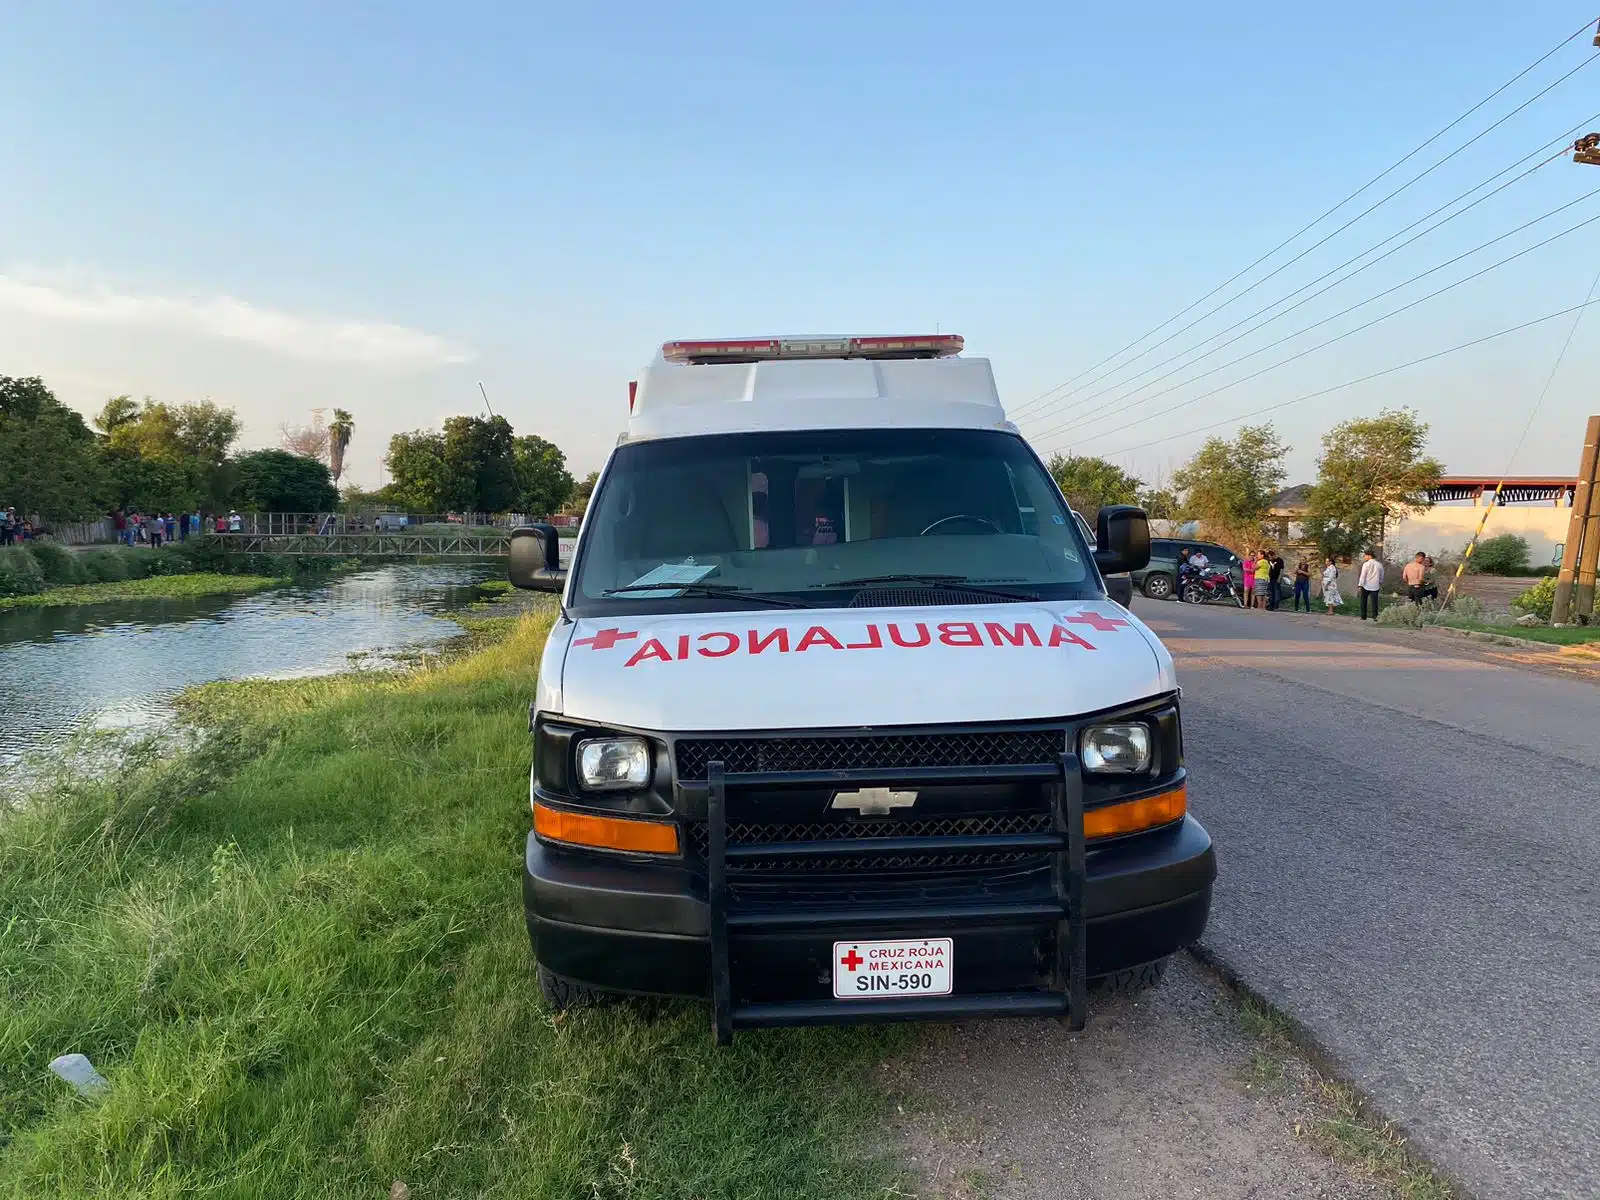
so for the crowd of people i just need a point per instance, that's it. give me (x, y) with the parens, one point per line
(1263, 572)
(163, 529)
(14, 528)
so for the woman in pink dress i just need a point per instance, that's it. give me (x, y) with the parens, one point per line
(1250, 579)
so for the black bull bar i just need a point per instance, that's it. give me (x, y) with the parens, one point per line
(1065, 997)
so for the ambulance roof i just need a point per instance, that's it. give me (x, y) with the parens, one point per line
(696, 388)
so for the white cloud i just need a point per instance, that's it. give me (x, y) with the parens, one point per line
(328, 339)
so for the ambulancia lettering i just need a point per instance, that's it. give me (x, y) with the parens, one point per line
(837, 639)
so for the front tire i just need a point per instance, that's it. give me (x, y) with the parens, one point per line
(1193, 594)
(1132, 981)
(561, 994)
(1158, 586)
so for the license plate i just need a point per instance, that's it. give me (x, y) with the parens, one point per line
(911, 967)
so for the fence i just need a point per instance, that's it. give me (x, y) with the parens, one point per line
(278, 524)
(74, 533)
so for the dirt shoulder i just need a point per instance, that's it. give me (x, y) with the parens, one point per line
(1183, 1091)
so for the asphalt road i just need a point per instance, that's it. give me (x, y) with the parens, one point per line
(1409, 848)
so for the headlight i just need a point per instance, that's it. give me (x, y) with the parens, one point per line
(606, 764)
(1116, 749)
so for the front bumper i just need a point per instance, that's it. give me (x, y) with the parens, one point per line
(646, 928)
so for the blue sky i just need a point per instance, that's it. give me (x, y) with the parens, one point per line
(289, 206)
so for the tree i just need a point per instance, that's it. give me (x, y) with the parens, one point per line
(1090, 483)
(1371, 473)
(1226, 486)
(162, 457)
(277, 481)
(340, 431)
(480, 465)
(308, 441)
(1161, 504)
(206, 432)
(1502, 555)
(49, 461)
(578, 503)
(116, 412)
(417, 468)
(543, 480)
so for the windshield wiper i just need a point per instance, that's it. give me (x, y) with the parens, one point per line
(952, 582)
(710, 589)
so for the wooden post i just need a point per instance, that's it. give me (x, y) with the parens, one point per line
(1575, 585)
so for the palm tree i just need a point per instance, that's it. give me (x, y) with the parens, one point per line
(339, 432)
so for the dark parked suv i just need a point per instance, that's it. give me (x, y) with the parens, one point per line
(1159, 579)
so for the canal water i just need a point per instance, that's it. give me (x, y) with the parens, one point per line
(117, 666)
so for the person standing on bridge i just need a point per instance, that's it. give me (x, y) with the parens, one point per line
(1369, 583)
(235, 522)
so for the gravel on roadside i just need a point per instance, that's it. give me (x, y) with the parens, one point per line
(1172, 1093)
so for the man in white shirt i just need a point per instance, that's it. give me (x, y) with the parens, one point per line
(1370, 581)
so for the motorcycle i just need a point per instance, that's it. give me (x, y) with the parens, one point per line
(1209, 585)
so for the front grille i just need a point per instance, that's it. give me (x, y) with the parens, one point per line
(776, 755)
(754, 833)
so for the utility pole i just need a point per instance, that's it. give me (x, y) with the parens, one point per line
(485, 398)
(1575, 585)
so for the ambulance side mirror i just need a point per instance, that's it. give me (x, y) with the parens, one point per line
(536, 559)
(1122, 539)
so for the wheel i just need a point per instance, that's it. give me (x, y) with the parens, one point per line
(561, 994)
(1193, 594)
(1131, 981)
(1158, 586)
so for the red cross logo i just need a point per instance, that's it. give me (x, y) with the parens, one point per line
(852, 960)
(605, 639)
(1103, 624)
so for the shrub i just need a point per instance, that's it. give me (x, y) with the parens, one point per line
(60, 566)
(108, 564)
(19, 572)
(1412, 616)
(1539, 599)
(173, 561)
(1501, 555)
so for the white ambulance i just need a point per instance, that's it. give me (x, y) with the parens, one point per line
(837, 722)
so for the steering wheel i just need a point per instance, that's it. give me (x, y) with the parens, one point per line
(961, 517)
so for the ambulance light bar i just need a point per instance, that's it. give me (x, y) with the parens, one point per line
(938, 345)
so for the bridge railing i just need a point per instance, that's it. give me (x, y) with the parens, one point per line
(289, 524)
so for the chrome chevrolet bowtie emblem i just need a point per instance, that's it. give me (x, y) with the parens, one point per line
(874, 802)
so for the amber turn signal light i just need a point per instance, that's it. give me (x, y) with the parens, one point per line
(605, 833)
(1133, 815)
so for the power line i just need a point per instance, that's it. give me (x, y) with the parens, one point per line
(1329, 237)
(1121, 413)
(1582, 29)
(1500, 486)
(1083, 400)
(1416, 362)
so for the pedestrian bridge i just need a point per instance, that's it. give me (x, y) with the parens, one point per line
(465, 543)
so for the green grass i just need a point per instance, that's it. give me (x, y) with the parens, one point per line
(160, 587)
(1567, 635)
(297, 953)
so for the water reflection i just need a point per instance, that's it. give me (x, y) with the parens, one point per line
(117, 665)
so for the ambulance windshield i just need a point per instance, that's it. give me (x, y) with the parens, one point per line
(828, 518)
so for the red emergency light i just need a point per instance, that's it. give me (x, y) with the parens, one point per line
(933, 345)
(633, 392)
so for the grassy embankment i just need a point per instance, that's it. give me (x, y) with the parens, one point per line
(161, 587)
(298, 955)
(44, 574)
